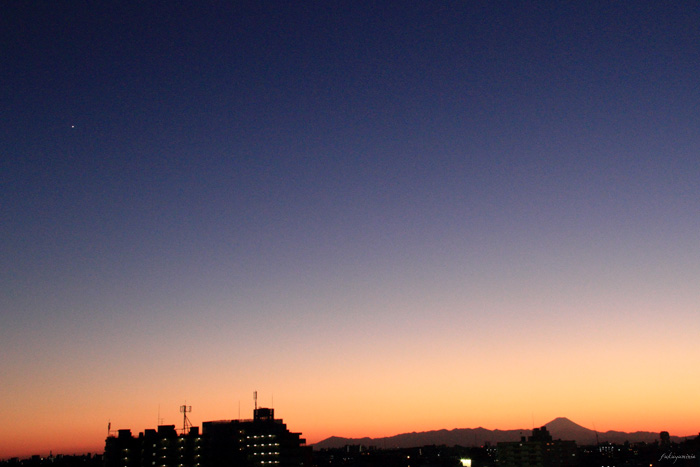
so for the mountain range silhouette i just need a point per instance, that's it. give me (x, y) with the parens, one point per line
(559, 428)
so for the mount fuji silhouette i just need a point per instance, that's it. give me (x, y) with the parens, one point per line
(559, 428)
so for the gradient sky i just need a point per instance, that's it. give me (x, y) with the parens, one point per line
(382, 216)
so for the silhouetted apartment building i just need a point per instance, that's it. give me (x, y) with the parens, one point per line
(539, 450)
(161, 448)
(263, 441)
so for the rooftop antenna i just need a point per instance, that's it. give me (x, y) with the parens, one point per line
(184, 410)
(255, 399)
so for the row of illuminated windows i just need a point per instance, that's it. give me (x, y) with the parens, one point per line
(162, 465)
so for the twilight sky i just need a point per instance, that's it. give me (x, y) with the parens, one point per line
(382, 216)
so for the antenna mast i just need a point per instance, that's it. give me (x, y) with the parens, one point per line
(184, 410)
(255, 399)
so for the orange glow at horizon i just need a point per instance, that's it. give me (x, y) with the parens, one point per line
(371, 407)
(376, 380)
(74, 438)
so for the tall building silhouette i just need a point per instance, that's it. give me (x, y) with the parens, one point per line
(539, 450)
(262, 441)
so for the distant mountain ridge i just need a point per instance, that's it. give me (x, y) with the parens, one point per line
(559, 428)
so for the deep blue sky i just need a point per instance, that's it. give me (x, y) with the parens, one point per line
(323, 164)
